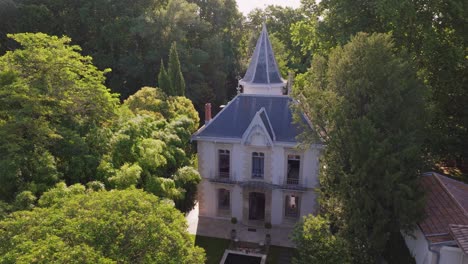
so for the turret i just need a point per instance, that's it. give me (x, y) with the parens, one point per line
(263, 75)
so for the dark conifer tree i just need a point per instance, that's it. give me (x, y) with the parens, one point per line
(175, 73)
(163, 80)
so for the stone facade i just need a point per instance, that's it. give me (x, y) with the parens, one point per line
(240, 183)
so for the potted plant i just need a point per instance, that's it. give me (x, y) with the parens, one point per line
(267, 236)
(233, 231)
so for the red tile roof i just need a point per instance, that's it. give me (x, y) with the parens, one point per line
(444, 199)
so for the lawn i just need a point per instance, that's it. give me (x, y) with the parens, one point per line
(215, 247)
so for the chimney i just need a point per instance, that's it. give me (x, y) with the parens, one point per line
(207, 113)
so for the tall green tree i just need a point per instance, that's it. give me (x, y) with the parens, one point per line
(367, 105)
(164, 82)
(175, 73)
(434, 35)
(52, 105)
(75, 225)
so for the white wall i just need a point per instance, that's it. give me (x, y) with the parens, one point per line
(452, 255)
(237, 161)
(275, 89)
(308, 203)
(277, 204)
(206, 158)
(277, 163)
(209, 200)
(418, 247)
(236, 202)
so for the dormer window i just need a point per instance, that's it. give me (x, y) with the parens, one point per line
(224, 163)
(258, 165)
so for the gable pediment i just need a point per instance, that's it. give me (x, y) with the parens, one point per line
(259, 132)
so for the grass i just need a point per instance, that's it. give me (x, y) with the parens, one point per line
(275, 252)
(214, 248)
(273, 255)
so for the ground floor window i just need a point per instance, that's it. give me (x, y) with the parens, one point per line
(224, 199)
(291, 206)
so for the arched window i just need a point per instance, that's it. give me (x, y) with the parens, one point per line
(258, 164)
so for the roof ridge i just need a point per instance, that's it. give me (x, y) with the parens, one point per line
(439, 180)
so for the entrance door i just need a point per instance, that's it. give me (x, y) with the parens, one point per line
(256, 206)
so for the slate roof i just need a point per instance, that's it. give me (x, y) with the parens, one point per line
(263, 68)
(234, 119)
(442, 207)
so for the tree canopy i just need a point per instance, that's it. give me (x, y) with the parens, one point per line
(433, 35)
(75, 225)
(149, 147)
(367, 105)
(316, 244)
(53, 100)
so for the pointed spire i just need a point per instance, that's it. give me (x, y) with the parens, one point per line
(263, 68)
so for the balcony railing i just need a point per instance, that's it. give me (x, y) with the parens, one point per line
(257, 175)
(292, 181)
(291, 212)
(223, 177)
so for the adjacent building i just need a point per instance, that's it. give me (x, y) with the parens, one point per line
(442, 237)
(248, 154)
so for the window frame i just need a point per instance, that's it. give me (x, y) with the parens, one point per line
(258, 173)
(292, 212)
(220, 203)
(289, 179)
(224, 154)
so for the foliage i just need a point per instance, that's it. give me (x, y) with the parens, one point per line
(187, 178)
(367, 105)
(24, 201)
(150, 147)
(164, 81)
(132, 39)
(316, 244)
(174, 72)
(128, 226)
(433, 34)
(52, 102)
(127, 176)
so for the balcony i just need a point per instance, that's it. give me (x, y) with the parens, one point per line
(257, 175)
(293, 183)
(223, 177)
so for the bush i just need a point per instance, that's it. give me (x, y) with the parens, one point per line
(316, 244)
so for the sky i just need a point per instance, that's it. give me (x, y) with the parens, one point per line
(245, 6)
